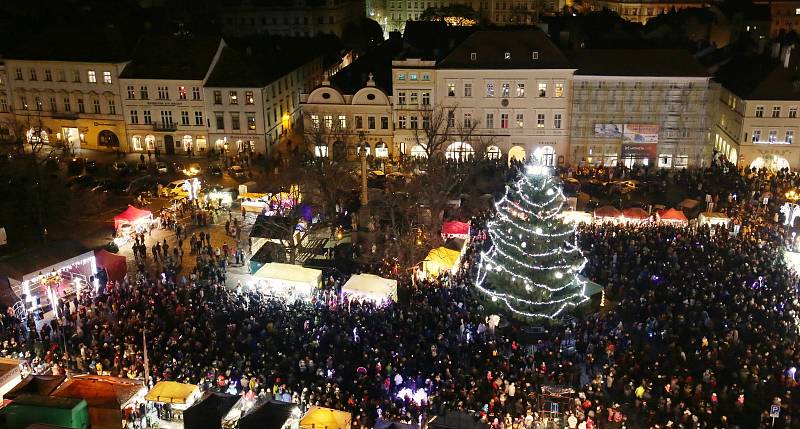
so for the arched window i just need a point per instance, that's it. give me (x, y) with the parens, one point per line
(545, 155)
(418, 152)
(459, 151)
(493, 152)
(381, 150)
(38, 135)
(770, 162)
(321, 151)
(517, 153)
(200, 142)
(186, 142)
(136, 143)
(107, 138)
(365, 147)
(150, 142)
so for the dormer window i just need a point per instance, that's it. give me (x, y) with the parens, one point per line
(473, 56)
(507, 56)
(535, 55)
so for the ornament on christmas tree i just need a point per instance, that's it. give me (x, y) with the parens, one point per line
(534, 256)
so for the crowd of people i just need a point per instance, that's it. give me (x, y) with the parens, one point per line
(699, 330)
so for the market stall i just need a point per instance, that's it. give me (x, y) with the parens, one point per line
(713, 219)
(325, 418)
(440, 260)
(27, 410)
(635, 215)
(136, 218)
(179, 396)
(115, 266)
(270, 414)
(370, 287)
(37, 384)
(108, 397)
(607, 214)
(10, 375)
(575, 217)
(672, 216)
(253, 202)
(208, 411)
(287, 280)
(43, 276)
(455, 229)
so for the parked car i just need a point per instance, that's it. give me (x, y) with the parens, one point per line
(76, 166)
(192, 169)
(237, 171)
(161, 168)
(82, 181)
(121, 168)
(173, 189)
(140, 184)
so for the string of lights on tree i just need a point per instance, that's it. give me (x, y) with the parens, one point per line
(531, 269)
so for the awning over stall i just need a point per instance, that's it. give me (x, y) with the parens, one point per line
(171, 392)
(371, 287)
(325, 418)
(208, 411)
(131, 215)
(440, 259)
(116, 265)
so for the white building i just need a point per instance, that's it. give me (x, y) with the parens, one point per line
(252, 100)
(163, 96)
(647, 107)
(513, 87)
(6, 116)
(74, 102)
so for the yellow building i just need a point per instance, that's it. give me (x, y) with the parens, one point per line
(756, 116)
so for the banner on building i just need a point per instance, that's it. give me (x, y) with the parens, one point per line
(640, 141)
(611, 131)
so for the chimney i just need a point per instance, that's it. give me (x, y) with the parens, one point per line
(776, 49)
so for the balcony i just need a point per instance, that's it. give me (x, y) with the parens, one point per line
(165, 126)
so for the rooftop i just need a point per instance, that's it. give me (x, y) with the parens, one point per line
(377, 61)
(46, 401)
(638, 62)
(172, 57)
(506, 49)
(251, 61)
(757, 77)
(431, 40)
(97, 44)
(36, 259)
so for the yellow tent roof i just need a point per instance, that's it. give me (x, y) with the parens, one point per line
(170, 392)
(325, 418)
(443, 256)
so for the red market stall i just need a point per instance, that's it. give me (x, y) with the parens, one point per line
(635, 214)
(607, 213)
(672, 216)
(116, 266)
(455, 229)
(132, 216)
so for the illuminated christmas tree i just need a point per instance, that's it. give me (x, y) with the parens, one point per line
(531, 269)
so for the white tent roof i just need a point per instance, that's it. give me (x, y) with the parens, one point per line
(288, 273)
(371, 286)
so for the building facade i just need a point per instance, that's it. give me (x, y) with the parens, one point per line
(503, 94)
(296, 18)
(756, 122)
(658, 115)
(163, 97)
(642, 11)
(70, 103)
(250, 108)
(7, 123)
(497, 12)
(342, 126)
(785, 16)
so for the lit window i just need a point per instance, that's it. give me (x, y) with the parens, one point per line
(248, 97)
(342, 122)
(520, 90)
(412, 76)
(540, 120)
(401, 76)
(490, 89)
(92, 76)
(315, 121)
(106, 77)
(559, 90)
(520, 120)
(797, 11)
(451, 89)
(233, 97)
(251, 121)
(507, 55)
(182, 93)
(535, 55)
(542, 89)
(473, 56)
(505, 90)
